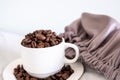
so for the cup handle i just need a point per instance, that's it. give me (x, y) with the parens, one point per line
(76, 53)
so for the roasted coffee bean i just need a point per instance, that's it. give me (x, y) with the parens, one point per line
(49, 78)
(59, 40)
(27, 78)
(41, 37)
(33, 44)
(46, 44)
(35, 39)
(28, 35)
(54, 34)
(59, 75)
(52, 42)
(53, 77)
(64, 74)
(47, 37)
(56, 42)
(59, 37)
(48, 31)
(33, 79)
(61, 78)
(27, 40)
(40, 45)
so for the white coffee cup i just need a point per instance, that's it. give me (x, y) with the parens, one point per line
(43, 62)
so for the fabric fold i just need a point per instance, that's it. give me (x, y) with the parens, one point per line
(98, 39)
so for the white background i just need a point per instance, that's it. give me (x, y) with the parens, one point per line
(24, 16)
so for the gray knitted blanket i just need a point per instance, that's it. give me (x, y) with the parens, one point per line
(98, 39)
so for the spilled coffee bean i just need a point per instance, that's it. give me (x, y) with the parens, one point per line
(41, 39)
(64, 74)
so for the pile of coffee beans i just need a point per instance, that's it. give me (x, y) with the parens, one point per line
(64, 74)
(41, 39)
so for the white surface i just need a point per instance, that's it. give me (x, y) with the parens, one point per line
(9, 70)
(10, 51)
(23, 16)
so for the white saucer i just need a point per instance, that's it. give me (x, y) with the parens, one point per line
(8, 71)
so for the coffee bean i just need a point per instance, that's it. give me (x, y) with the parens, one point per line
(41, 39)
(40, 45)
(49, 78)
(27, 78)
(19, 74)
(33, 79)
(56, 42)
(59, 75)
(53, 77)
(33, 44)
(64, 74)
(52, 42)
(27, 40)
(35, 39)
(61, 78)
(46, 44)
(47, 39)
(48, 31)
(59, 37)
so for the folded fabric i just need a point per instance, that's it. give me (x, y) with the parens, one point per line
(98, 39)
